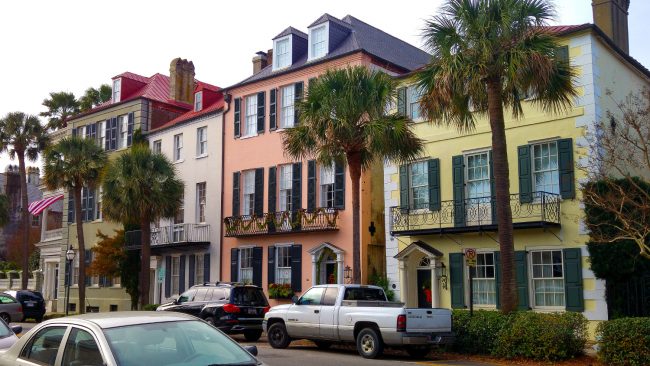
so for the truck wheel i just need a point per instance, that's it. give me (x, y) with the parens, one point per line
(323, 344)
(252, 335)
(418, 352)
(369, 344)
(278, 336)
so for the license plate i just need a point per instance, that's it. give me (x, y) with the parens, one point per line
(251, 311)
(30, 305)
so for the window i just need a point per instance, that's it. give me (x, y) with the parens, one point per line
(6, 300)
(124, 129)
(176, 274)
(250, 129)
(545, 168)
(548, 278)
(484, 283)
(81, 131)
(249, 192)
(157, 146)
(330, 296)
(178, 147)
(81, 349)
(246, 265)
(198, 101)
(313, 296)
(478, 175)
(36, 220)
(282, 53)
(102, 134)
(180, 215)
(98, 204)
(117, 86)
(287, 112)
(414, 95)
(318, 42)
(200, 201)
(44, 346)
(198, 269)
(419, 180)
(283, 267)
(286, 175)
(327, 186)
(202, 141)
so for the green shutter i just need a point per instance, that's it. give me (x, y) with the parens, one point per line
(296, 197)
(456, 280)
(273, 110)
(565, 162)
(434, 184)
(237, 117)
(298, 92)
(339, 186)
(271, 265)
(458, 175)
(261, 111)
(497, 277)
(401, 101)
(573, 279)
(404, 187)
(235, 193)
(493, 194)
(521, 279)
(311, 185)
(259, 192)
(525, 175)
(272, 206)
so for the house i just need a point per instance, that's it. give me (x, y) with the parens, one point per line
(290, 222)
(442, 205)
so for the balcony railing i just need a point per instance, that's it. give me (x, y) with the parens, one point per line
(475, 214)
(52, 235)
(178, 234)
(283, 222)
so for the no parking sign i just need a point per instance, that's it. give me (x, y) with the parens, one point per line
(470, 257)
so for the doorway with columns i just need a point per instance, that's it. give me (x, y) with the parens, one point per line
(421, 275)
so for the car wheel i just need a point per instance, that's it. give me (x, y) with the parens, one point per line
(278, 336)
(209, 320)
(369, 344)
(252, 335)
(418, 352)
(323, 344)
(5, 317)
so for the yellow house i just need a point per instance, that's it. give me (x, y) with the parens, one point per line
(442, 205)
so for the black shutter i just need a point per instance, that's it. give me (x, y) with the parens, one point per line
(525, 174)
(565, 162)
(107, 134)
(206, 267)
(271, 200)
(311, 185)
(261, 111)
(271, 265)
(296, 267)
(70, 207)
(259, 192)
(237, 117)
(273, 109)
(192, 270)
(401, 101)
(521, 279)
(113, 133)
(404, 200)
(235, 193)
(129, 130)
(296, 190)
(497, 277)
(168, 276)
(458, 164)
(74, 132)
(339, 186)
(258, 253)
(298, 88)
(456, 280)
(88, 260)
(493, 194)
(234, 264)
(573, 279)
(181, 276)
(434, 184)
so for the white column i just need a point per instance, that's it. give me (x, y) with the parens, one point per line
(44, 222)
(339, 268)
(313, 270)
(434, 284)
(403, 280)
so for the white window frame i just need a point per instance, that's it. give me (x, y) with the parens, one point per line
(202, 141)
(285, 187)
(282, 271)
(423, 206)
(198, 101)
(98, 204)
(175, 273)
(81, 131)
(556, 180)
(413, 98)
(117, 90)
(75, 271)
(248, 192)
(287, 102)
(102, 134)
(198, 269)
(532, 279)
(157, 146)
(494, 279)
(201, 201)
(248, 269)
(466, 163)
(327, 177)
(313, 55)
(277, 65)
(178, 147)
(123, 126)
(179, 219)
(250, 121)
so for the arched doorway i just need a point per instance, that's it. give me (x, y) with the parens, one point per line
(327, 264)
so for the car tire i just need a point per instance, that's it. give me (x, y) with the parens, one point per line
(209, 320)
(252, 335)
(369, 343)
(278, 336)
(418, 352)
(323, 344)
(6, 318)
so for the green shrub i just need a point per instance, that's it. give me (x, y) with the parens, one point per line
(542, 336)
(150, 307)
(477, 334)
(625, 341)
(383, 282)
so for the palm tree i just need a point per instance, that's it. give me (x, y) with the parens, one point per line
(72, 164)
(93, 97)
(4, 210)
(60, 107)
(343, 119)
(140, 187)
(485, 54)
(22, 135)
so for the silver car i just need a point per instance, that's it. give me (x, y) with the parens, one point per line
(8, 334)
(10, 309)
(127, 339)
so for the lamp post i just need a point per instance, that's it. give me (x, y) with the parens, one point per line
(441, 273)
(69, 256)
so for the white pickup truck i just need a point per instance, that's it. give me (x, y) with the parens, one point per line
(327, 314)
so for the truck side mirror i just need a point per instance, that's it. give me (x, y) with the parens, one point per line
(295, 299)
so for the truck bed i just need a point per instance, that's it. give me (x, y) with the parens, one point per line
(372, 303)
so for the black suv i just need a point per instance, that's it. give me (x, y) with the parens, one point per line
(32, 302)
(234, 308)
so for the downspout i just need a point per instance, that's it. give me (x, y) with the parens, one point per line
(226, 99)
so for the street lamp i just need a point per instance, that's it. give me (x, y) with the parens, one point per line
(441, 273)
(348, 274)
(69, 256)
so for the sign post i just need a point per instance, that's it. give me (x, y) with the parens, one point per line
(470, 257)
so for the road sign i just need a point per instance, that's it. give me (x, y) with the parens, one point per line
(471, 262)
(161, 275)
(470, 257)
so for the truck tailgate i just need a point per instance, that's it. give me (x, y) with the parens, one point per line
(428, 320)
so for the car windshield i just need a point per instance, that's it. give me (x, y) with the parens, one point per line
(4, 330)
(248, 296)
(177, 343)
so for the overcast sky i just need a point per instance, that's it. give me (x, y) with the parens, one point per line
(62, 45)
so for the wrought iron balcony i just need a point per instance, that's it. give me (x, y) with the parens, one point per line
(283, 222)
(475, 214)
(171, 236)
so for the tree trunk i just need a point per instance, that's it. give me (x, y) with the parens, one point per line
(508, 290)
(145, 250)
(354, 166)
(24, 218)
(81, 252)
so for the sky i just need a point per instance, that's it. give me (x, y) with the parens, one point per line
(66, 45)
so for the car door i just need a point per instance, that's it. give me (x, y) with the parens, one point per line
(328, 322)
(43, 347)
(303, 317)
(195, 305)
(81, 348)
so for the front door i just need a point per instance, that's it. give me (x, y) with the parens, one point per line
(424, 288)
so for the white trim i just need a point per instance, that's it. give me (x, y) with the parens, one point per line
(310, 50)
(274, 63)
(116, 95)
(531, 287)
(196, 101)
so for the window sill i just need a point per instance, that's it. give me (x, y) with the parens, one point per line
(549, 309)
(248, 136)
(201, 156)
(178, 161)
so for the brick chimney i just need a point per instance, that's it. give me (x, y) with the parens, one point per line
(611, 17)
(260, 61)
(181, 81)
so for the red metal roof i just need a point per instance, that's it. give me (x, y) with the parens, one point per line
(215, 106)
(564, 29)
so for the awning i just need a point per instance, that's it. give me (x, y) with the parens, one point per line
(35, 208)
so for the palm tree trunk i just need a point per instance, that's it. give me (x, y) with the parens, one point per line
(354, 166)
(24, 218)
(82, 249)
(508, 290)
(145, 248)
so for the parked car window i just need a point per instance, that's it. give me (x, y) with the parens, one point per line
(203, 294)
(312, 297)
(361, 293)
(248, 296)
(6, 299)
(187, 296)
(81, 349)
(218, 295)
(44, 346)
(5, 331)
(330, 296)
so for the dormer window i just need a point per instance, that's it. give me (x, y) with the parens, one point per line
(318, 40)
(117, 88)
(198, 101)
(282, 53)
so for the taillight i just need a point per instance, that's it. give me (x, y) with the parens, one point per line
(232, 309)
(401, 323)
(20, 309)
(266, 309)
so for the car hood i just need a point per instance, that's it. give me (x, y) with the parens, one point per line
(166, 306)
(279, 308)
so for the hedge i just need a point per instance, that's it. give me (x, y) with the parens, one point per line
(624, 341)
(477, 334)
